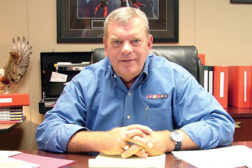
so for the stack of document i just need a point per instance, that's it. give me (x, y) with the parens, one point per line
(225, 157)
(134, 162)
(7, 162)
(16, 159)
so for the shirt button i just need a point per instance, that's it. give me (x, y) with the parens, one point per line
(129, 94)
(128, 117)
(114, 76)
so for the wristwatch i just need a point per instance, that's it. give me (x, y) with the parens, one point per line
(177, 138)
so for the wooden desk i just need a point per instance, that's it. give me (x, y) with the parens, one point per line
(82, 160)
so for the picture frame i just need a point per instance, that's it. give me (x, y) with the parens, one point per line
(241, 1)
(82, 20)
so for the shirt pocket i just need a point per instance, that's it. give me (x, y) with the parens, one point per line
(159, 118)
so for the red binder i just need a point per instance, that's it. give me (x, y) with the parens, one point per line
(240, 86)
(21, 99)
(220, 85)
(202, 58)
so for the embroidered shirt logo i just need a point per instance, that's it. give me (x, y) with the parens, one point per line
(157, 96)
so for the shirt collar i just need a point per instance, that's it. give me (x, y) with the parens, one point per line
(146, 65)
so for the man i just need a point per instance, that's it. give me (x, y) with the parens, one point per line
(111, 107)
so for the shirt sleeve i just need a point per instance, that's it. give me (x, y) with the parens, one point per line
(200, 115)
(63, 121)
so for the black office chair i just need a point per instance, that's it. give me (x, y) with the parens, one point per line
(186, 56)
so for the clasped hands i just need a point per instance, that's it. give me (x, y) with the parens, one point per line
(136, 140)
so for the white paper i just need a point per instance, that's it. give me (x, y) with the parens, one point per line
(15, 163)
(225, 157)
(6, 153)
(58, 77)
(134, 162)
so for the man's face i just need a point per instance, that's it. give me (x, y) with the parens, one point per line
(127, 47)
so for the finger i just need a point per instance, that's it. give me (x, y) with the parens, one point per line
(133, 130)
(131, 133)
(140, 141)
(143, 128)
(131, 151)
(124, 146)
(142, 153)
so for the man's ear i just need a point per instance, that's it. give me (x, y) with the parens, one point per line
(104, 43)
(150, 41)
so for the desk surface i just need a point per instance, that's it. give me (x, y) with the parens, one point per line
(82, 160)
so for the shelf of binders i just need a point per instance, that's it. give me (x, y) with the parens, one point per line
(11, 110)
(230, 85)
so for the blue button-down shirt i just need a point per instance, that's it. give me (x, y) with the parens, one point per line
(164, 97)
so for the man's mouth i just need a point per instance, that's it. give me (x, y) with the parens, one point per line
(131, 60)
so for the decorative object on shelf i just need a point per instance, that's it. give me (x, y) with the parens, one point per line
(17, 66)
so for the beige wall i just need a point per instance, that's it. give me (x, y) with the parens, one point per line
(221, 30)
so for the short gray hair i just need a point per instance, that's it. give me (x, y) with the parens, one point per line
(123, 15)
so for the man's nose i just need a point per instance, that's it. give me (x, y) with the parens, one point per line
(127, 48)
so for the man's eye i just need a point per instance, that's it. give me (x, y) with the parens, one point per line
(136, 41)
(116, 42)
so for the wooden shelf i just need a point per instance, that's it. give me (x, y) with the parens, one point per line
(6, 127)
(243, 120)
(239, 112)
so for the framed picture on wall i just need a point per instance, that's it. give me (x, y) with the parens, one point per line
(241, 1)
(82, 20)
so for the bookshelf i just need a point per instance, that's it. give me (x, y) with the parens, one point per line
(11, 110)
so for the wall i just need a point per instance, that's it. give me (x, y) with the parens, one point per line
(217, 28)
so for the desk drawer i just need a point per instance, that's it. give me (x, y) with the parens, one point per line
(243, 130)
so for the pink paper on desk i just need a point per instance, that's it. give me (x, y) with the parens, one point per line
(43, 161)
